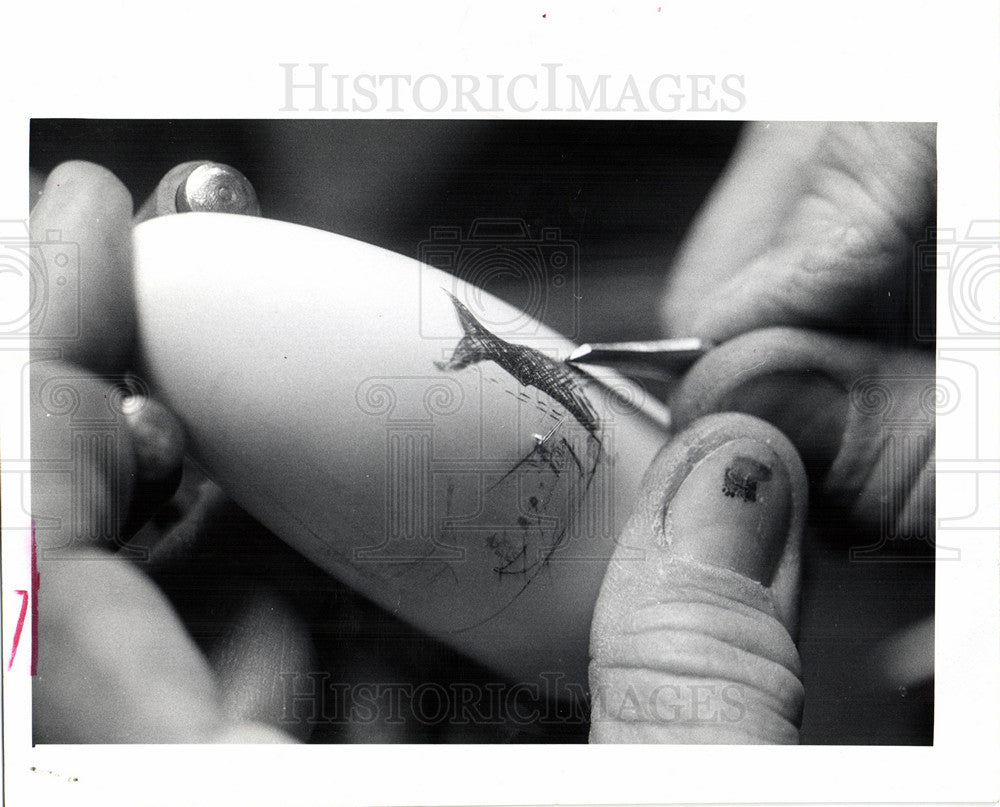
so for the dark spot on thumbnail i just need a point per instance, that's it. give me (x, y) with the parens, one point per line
(743, 476)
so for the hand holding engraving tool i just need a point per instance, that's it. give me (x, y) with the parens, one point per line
(814, 225)
(809, 267)
(813, 267)
(744, 480)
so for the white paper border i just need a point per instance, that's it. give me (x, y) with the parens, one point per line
(850, 60)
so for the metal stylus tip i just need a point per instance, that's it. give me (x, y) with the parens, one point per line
(661, 356)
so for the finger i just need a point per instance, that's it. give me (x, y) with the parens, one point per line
(185, 522)
(251, 733)
(200, 186)
(81, 237)
(264, 645)
(194, 186)
(755, 193)
(861, 416)
(106, 458)
(813, 225)
(157, 435)
(158, 442)
(692, 633)
(114, 663)
(906, 658)
(82, 456)
(237, 589)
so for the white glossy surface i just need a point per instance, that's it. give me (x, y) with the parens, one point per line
(303, 366)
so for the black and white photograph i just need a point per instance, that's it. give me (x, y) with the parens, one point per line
(356, 476)
(419, 415)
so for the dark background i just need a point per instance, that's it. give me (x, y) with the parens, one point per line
(625, 192)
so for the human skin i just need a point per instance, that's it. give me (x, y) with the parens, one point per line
(115, 663)
(90, 206)
(800, 268)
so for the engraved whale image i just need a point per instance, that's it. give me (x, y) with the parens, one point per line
(531, 546)
(531, 367)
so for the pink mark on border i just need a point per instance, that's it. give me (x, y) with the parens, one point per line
(20, 624)
(35, 582)
(26, 596)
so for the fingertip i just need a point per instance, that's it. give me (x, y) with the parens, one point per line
(733, 509)
(81, 176)
(730, 492)
(157, 437)
(265, 645)
(251, 732)
(81, 248)
(735, 227)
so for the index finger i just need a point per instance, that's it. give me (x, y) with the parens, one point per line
(81, 242)
(814, 225)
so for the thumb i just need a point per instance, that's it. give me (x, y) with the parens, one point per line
(692, 634)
